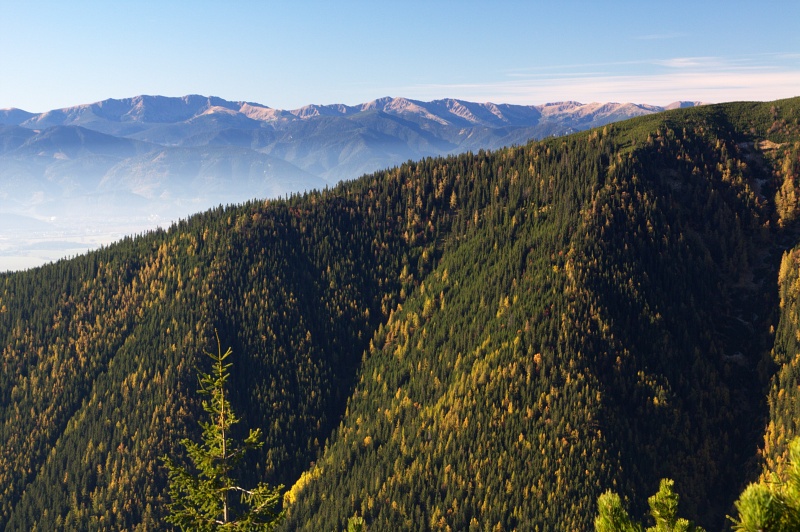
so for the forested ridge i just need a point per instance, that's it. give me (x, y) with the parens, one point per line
(485, 341)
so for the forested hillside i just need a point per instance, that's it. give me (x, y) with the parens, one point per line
(487, 341)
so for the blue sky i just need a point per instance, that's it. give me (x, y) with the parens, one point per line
(287, 54)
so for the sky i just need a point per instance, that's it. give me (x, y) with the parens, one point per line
(286, 54)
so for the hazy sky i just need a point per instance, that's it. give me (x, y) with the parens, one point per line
(286, 54)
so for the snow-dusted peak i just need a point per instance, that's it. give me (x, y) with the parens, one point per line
(133, 116)
(313, 111)
(558, 107)
(307, 111)
(683, 105)
(13, 116)
(378, 104)
(260, 112)
(595, 112)
(217, 110)
(461, 110)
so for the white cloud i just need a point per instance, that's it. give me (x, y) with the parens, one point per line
(707, 79)
(690, 62)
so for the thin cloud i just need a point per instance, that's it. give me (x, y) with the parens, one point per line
(658, 88)
(706, 63)
(691, 62)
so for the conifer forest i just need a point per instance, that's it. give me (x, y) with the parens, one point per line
(487, 341)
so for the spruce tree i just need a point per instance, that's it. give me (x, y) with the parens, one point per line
(612, 516)
(774, 503)
(204, 497)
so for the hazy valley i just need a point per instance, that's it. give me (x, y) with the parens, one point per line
(83, 176)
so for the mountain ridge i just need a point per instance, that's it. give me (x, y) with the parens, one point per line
(194, 119)
(162, 109)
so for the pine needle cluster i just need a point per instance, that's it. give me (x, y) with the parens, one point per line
(204, 496)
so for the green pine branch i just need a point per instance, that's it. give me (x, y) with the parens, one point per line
(200, 493)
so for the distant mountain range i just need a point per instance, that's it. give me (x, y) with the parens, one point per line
(157, 158)
(166, 137)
